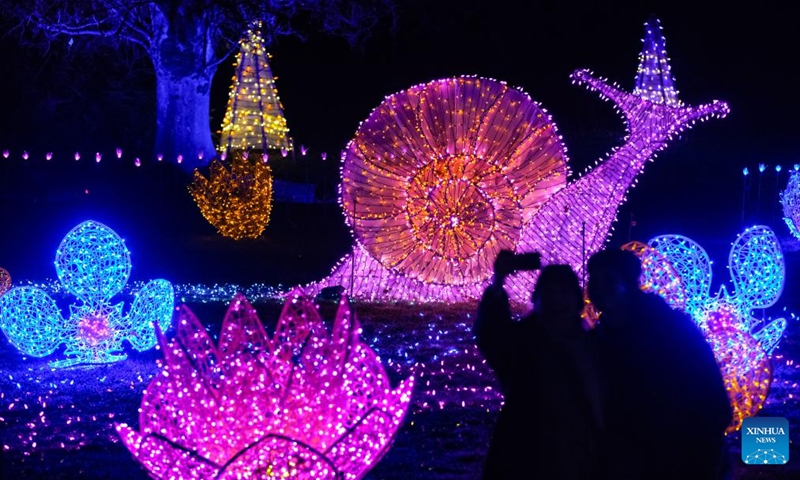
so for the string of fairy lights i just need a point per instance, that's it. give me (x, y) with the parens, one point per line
(97, 157)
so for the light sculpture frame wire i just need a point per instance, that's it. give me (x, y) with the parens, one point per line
(305, 404)
(92, 263)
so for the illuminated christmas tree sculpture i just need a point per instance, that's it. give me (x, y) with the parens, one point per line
(443, 175)
(254, 116)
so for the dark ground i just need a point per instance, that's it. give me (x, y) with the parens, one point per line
(58, 425)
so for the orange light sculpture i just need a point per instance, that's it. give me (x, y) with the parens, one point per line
(237, 202)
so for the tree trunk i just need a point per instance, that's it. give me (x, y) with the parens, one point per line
(182, 117)
(182, 51)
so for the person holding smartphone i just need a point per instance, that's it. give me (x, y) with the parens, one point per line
(551, 417)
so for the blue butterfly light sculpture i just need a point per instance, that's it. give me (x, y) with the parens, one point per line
(741, 342)
(93, 264)
(757, 271)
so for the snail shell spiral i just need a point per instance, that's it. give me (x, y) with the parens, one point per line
(443, 175)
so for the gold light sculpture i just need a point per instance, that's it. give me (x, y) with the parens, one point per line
(237, 202)
(254, 116)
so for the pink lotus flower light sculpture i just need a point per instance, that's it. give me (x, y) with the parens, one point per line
(304, 404)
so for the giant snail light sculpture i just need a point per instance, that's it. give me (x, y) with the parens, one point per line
(442, 176)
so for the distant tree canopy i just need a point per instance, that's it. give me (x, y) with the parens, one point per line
(186, 40)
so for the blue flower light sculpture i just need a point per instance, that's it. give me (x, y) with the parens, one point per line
(93, 264)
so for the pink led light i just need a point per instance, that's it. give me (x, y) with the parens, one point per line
(435, 136)
(304, 404)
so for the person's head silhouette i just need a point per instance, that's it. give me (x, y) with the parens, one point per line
(558, 296)
(613, 279)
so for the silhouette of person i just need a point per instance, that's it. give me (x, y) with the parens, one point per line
(666, 406)
(548, 425)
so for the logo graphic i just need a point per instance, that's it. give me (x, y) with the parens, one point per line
(765, 441)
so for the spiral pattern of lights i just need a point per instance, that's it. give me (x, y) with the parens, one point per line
(443, 175)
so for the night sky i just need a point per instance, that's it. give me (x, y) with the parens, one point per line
(744, 55)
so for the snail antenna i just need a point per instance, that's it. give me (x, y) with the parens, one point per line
(654, 80)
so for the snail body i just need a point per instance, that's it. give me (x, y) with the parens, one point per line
(442, 176)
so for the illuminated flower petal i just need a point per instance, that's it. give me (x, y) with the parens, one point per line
(164, 459)
(659, 275)
(93, 262)
(746, 369)
(151, 306)
(691, 263)
(756, 266)
(304, 404)
(31, 320)
(771, 334)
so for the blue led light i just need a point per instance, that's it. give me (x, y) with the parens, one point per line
(790, 199)
(757, 271)
(93, 264)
